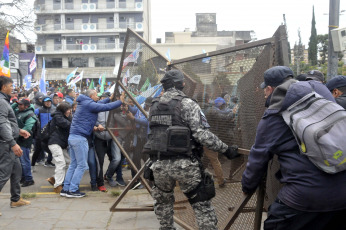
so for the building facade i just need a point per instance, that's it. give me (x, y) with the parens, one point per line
(88, 34)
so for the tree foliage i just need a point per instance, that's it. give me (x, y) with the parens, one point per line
(17, 16)
(313, 41)
(322, 40)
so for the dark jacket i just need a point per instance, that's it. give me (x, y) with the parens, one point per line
(44, 114)
(26, 120)
(60, 126)
(306, 187)
(341, 100)
(9, 130)
(85, 116)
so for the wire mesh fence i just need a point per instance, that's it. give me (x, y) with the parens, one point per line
(225, 83)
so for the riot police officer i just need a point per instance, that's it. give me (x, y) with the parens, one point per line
(177, 127)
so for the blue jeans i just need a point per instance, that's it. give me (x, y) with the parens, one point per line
(79, 153)
(92, 166)
(116, 157)
(26, 164)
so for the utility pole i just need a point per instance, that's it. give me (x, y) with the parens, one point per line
(334, 8)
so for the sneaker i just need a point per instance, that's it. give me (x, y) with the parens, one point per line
(102, 188)
(20, 202)
(76, 194)
(63, 193)
(111, 182)
(121, 182)
(58, 189)
(49, 164)
(94, 187)
(138, 186)
(51, 180)
(33, 169)
(22, 180)
(28, 183)
(40, 162)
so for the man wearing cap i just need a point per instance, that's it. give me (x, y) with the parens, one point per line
(44, 115)
(309, 198)
(337, 86)
(178, 128)
(26, 119)
(315, 75)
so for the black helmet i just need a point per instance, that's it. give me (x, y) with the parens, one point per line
(174, 75)
(173, 78)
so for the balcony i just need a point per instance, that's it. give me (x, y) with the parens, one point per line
(79, 48)
(88, 27)
(99, 7)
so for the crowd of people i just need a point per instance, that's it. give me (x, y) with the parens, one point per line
(68, 132)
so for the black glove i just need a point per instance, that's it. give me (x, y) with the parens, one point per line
(232, 152)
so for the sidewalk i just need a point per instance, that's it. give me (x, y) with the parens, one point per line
(90, 212)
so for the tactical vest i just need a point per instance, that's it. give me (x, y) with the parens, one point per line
(169, 134)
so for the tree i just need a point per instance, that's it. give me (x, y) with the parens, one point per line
(17, 16)
(322, 41)
(313, 41)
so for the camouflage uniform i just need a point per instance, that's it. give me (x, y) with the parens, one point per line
(185, 170)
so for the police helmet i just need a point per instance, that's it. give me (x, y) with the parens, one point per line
(173, 75)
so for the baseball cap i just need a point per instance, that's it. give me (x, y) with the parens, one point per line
(276, 76)
(59, 94)
(336, 82)
(315, 75)
(219, 101)
(24, 101)
(47, 99)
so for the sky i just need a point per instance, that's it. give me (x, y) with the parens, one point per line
(264, 17)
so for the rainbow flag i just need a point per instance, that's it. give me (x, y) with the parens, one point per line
(5, 59)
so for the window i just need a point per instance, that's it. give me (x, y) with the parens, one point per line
(53, 62)
(78, 62)
(343, 33)
(104, 61)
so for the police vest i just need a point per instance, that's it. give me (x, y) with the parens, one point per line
(169, 134)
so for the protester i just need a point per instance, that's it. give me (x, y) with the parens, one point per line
(306, 200)
(81, 128)
(105, 145)
(70, 96)
(26, 120)
(141, 135)
(44, 115)
(10, 151)
(57, 143)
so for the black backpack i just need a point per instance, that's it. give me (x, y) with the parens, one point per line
(46, 132)
(36, 128)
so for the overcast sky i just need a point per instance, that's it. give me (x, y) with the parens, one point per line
(263, 17)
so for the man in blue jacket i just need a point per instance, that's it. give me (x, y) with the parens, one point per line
(70, 96)
(309, 198)
(81, 129)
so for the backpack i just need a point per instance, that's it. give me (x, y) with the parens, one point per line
(318, 126)
(46, 132)
(36, 128)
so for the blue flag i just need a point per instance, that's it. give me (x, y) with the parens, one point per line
(43, 79)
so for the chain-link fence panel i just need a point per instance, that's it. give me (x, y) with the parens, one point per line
(225, 83)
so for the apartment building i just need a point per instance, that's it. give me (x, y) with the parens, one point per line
(88, 34)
